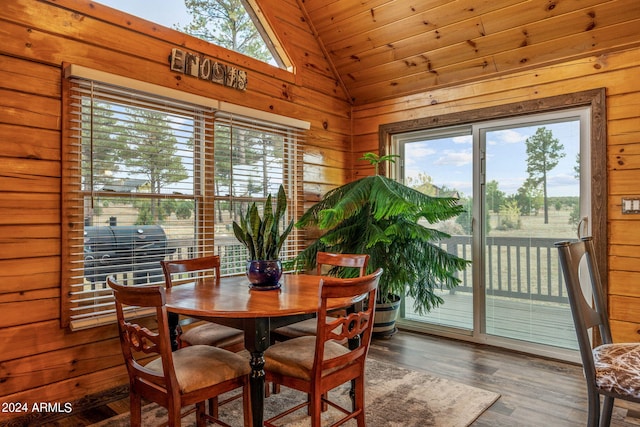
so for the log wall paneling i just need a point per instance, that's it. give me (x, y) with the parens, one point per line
(389, 49)
(367, 53)
(39, 361)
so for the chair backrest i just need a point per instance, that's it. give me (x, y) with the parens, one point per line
(205, 265)
(355, 325)
(580, 270)
(359, 261)
(138, 342)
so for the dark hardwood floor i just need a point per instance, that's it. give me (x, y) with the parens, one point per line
(534, 391)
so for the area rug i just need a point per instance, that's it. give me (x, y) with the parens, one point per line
(395, 397)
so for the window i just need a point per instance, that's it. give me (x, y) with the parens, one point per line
(237, 25)
(251, 163)
(149, 177)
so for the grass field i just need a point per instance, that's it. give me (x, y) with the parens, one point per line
(534, 226)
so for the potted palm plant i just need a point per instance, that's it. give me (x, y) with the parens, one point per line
(263, 239)
(389, 221)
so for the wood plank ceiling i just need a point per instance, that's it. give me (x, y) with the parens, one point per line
(382, 49)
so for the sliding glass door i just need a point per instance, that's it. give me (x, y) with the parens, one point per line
(440, 163)
(531, 199)
(524, 187)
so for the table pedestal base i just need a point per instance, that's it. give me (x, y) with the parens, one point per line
(257, 339)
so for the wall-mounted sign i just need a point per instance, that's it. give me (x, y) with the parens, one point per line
(207, 69)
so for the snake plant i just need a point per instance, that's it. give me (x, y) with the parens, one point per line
(261, 235)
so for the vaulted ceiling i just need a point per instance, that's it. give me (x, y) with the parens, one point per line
(381, 49)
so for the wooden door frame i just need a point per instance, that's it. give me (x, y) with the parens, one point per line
(594, 98)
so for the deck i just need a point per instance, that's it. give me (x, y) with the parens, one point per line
(539, 322)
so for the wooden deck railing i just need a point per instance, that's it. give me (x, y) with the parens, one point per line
(516, 267)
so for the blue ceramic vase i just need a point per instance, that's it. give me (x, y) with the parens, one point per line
(264, 274)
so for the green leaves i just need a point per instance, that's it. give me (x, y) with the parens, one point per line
(375, 159)
(261, 235)
(386, 197)
(389, 221)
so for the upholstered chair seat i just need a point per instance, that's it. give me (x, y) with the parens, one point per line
(214, 335)
(618, 368)
(201, 366)
(303, 328)
(295, 358)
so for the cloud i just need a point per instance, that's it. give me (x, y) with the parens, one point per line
(509, 136)
(422, 151)
(455, 158)
(466, 139)
(417, 154)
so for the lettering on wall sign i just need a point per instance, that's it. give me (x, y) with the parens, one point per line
(205, 68)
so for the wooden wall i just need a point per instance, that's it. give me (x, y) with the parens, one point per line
(39, 361)
(618, 73)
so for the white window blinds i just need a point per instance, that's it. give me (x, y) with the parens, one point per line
(148, 177)
(252, 159)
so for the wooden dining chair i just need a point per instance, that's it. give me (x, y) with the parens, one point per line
(190, 375)
(327, 263)
(358, 262)
(610, 369)
(214, 334)
(317, 364)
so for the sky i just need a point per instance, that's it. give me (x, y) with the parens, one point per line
(163, 12)
(449, 161)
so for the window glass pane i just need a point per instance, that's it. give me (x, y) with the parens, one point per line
(140, 195)
(532, 200)
(132, 149)
(440, 163)
(142, 183)
(519, 180)
(251, 163)
(231, 24)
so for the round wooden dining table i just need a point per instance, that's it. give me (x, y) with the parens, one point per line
(230, 301)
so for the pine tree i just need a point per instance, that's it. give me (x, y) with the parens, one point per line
(543, 154)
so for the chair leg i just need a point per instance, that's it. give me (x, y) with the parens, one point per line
(135, 409)
(246, 406)
(358, 401)
(275, 389)
(607, 410)
(594, 409)
(201, 420)
(214, 407)
(174, 417)
(315, 409)
(268, 386)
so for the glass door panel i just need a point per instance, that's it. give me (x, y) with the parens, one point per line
(531, 200)
(442, 165)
